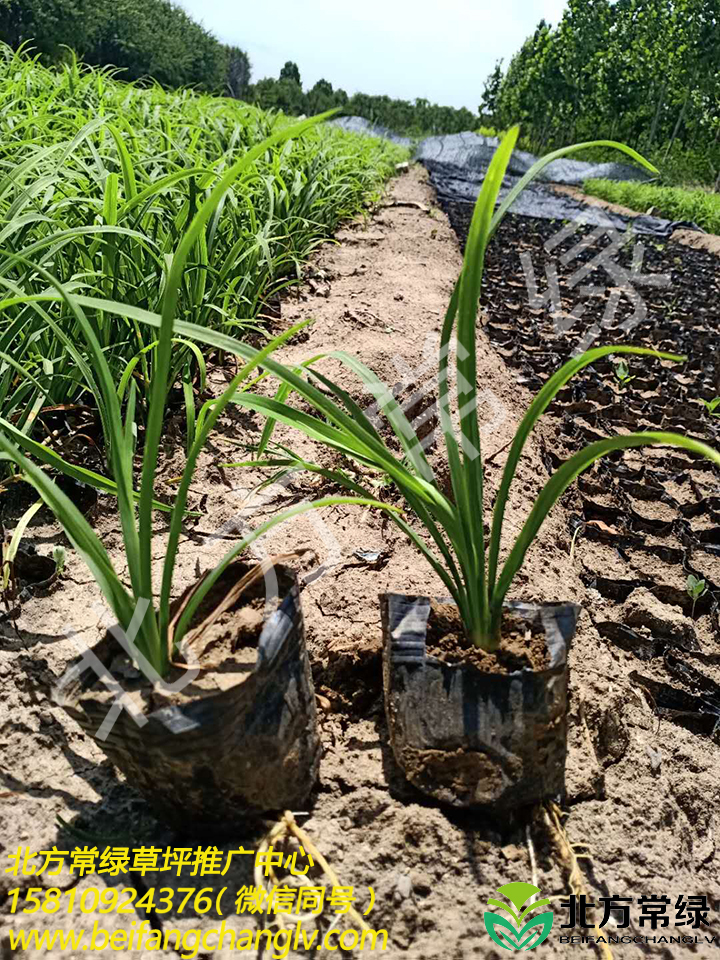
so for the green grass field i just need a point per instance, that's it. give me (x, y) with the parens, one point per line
(673, 203)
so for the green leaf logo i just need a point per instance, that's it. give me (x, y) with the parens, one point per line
(513, 934)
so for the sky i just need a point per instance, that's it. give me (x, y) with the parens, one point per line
(402, 48)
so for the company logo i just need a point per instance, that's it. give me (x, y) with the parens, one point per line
(516, 934)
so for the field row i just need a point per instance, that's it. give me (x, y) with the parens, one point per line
(100, 183)
(673, 203)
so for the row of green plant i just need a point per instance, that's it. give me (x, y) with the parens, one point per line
(144, 38)
(99, 181)
(673, 203)
(448, 528)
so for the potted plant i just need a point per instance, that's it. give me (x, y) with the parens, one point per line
(210, 738)
(475, 688)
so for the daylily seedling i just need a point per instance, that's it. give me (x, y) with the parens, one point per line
(451, 532)
(59, 556)
(156, 638)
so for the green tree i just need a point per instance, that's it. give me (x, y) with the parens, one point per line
(291, 72)
(144, 38)
(237, 72)
(491, 95)
(320, 98)
(285, 95)
(48, 24)
(643, 71)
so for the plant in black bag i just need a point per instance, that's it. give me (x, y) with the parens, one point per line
(251, 744)
(466, 727)
(465, 560)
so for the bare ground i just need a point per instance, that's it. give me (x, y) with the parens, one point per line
(642, 793)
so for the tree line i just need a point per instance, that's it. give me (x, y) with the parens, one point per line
(412, 118)
(145, 38)
(646, 72)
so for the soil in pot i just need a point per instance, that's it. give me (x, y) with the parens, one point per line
(523, 646)
(237, 741)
